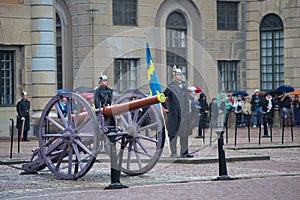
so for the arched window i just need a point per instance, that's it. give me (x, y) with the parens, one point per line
(271, 52)
(176, 44)
(59, 72)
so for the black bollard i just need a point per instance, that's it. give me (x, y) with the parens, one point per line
(221, 153)
(11, 138)
(115, 167)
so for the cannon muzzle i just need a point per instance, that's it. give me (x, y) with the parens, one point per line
(117, 109)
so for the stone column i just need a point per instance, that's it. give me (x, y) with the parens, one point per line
(43, 55)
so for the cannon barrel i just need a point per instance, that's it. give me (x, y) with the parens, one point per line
(110, 111)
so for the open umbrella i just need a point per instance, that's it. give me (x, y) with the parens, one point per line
(196, 89)
(296, 92)
(60, 91)
(285, 88)
(242, 93)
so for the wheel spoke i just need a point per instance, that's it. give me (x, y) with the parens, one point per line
(147, 138)
(69, 111)
(70, 157)
(84, 148)
(143, 147)
(61, 157)
(77, 155)
(148, 126)
(54, 147)
(143, 117)
(55, 123)
(129, 155)
(135, 115)
(61, 115)
(124, 120)
(137, 155)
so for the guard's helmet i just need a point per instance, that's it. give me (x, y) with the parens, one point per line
(176, 70)
(103, 78)
(24, 93)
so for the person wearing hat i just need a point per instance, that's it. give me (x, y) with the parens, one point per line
(103, 94)
(267, 108)
(23, 121)
(256, 102)
(203, 113)
(179, 116)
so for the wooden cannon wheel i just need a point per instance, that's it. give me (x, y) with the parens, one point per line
(69, 136)
(141, 149)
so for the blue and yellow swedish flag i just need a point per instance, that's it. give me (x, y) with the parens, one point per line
(154, 84)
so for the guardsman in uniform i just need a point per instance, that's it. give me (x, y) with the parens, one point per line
(23, 107)
(103, 96)
(179, 115)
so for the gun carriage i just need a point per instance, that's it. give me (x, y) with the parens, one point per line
(70, 141)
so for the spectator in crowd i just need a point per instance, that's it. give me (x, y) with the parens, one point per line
(285, 106)
(256, 102)
(195, 111)
(230, 98)
(222, 111)
(246, 108)
(238, 104)
(214, 112)
(267, 108)
(296, 105)
(228, 109)
(23, 119)
(203, 113)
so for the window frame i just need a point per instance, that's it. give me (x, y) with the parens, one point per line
(176, 44)
(12, 82)
(121, 84)
(225, 84)
(122, 15)
(228, 15)
(271, 52)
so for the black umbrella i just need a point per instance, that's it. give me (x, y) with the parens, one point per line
(285, 88)
(242, 93)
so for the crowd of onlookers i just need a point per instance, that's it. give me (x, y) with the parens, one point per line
(250, 110)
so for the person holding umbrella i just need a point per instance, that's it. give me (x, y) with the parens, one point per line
(285, 105)
(296, 105)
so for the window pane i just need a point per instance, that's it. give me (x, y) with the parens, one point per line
(125, 12)
(228, 73)
(227, 15)
(125, 74)
(6, 77)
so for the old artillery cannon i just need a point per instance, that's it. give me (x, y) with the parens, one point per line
(70, 141)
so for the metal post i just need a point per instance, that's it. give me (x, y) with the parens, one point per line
(283, 125)
(235, 130)
(221, 153)
(11, 137)
(115, 166)
(292, 131)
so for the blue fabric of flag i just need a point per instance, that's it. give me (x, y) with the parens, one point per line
(154, 84)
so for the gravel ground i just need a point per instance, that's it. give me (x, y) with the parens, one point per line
(277, 178)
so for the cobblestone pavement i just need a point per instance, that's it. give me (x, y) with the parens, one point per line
(274, 178)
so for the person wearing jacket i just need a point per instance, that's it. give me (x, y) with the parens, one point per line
(256, 102)
(267, 108)
(23, 120)
(179, 116)
(203, 112)
(238, 105)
